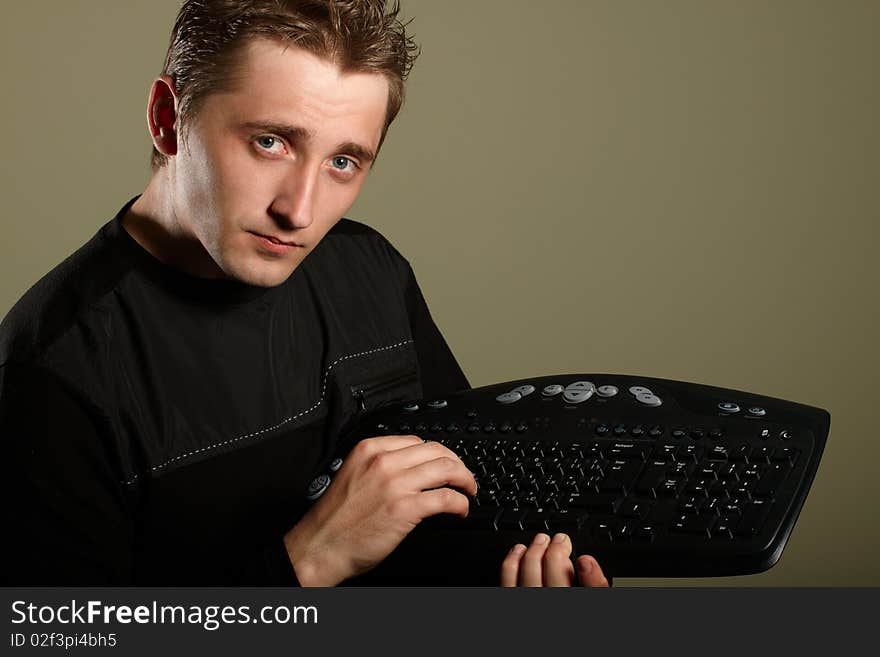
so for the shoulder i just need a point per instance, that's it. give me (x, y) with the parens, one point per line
(58, 300)
(358, 247)
(349, 233)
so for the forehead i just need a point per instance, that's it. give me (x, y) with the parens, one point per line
(280, 83)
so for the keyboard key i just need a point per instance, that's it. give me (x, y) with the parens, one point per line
(537, 520)
(601, 504)
(510, 518)
(772, 480)
(623, 532)
(634, 509)
(690, 453)
(652, 478)
(725, 527)
(761, 455)
(606, 530)
(478, 518)
(753, 517)
(620, 476)
(567, 520)
(691, 524)
(731, 509)
(627, 451)
(709, 473)
(671, 487)
(595, 450)
(740, 454)
(698, 488)
(711, 506)
(721, 489)
(664, 452)
(643, 533)
(786, 454)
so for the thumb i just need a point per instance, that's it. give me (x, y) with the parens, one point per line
(589, 572)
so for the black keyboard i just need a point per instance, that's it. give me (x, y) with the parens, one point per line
(653, 477)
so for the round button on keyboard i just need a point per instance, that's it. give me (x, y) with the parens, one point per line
(524, 390)
(552, 390)
(640, 390)
(577, 396)
(317, 487)
(606, 391)
(649, 399)
(508, 397)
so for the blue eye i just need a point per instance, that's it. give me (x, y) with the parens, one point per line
(343, 160)
(268, 142)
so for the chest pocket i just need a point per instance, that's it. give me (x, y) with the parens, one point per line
(370, 382)
(388, 387)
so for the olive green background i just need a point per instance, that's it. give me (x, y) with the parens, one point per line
(679, 189)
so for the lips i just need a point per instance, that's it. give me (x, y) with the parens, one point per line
(276, 240)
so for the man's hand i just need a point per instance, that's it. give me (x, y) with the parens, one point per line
(548, 563)
(385, 487)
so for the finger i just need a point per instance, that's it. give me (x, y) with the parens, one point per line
(589, 573)
(443, 471)
(368, 449)
(558, 569)
(510, 565)
(387, 443)
(414, 454)
(531, 566)
(440, 500)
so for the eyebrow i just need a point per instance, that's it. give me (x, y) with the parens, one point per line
(296, 134)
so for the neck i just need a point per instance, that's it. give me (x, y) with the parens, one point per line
(153, 222)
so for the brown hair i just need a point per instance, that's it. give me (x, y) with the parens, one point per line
(357, 35)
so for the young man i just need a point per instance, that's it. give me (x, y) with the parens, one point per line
(169, 391)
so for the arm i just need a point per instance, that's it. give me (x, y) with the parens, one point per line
(68, 517)
(440, 371)
(376, 467)
(64, 504)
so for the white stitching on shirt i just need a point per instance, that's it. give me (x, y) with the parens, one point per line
(283, 422)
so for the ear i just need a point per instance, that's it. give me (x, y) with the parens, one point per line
(162, 115)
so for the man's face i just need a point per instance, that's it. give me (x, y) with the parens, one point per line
(283, 155)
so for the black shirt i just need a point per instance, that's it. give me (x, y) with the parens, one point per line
(162, 429)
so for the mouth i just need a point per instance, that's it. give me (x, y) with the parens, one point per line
(275, 240)
(274, 244)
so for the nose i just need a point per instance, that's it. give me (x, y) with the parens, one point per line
(293, 205)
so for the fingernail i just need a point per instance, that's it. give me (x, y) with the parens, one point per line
(540, 539)
(559, 538)
(519, 547)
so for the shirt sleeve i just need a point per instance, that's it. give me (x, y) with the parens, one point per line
(63, 503)
(68, 519)
(441, 373)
